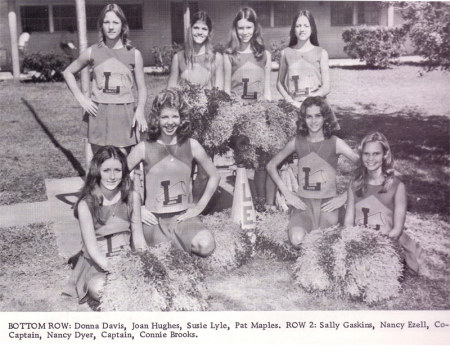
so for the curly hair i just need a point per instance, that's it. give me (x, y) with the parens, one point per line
(169, 98)
(330, 125)
(256, 43)
(125, 30)
(313, 38)
(91, 192)
(359, 184)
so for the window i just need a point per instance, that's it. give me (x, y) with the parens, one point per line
(64, 18)
(284, 13)
(366, 12)
(133, 13)
(341, 13)
(34, 18)
(262, 10)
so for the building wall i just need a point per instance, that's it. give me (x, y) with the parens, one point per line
(4, 37)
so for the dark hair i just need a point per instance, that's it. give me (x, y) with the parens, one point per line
(169, 98)
(330, 125)
(313, 38)
(189, 44)
(359, 184)
(91, 192)
(125, 28)
(256, 43)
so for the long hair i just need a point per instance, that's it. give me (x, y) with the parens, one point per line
(91, 192)
(189, 53)
(313, 38)
(256, 43)
(387, 167)
(169, 98)
(125, 28)
(330, 125)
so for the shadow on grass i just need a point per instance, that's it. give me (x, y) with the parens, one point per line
(420, 146)
(68, 154)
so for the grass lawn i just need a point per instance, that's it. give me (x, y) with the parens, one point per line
(412, 111)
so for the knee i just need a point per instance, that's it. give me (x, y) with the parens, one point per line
(296, 235)
(96, 286)
(203, 244)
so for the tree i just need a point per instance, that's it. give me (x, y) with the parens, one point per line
(428, 26)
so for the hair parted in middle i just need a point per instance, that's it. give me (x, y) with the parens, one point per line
(313, 38)
(189, 53)
(169, 98)
(125, 30)
(330, 125)
(256, 43)
(360, 182)
(91, 192)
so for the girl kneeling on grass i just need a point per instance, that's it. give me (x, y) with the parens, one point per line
(116, 66)
(169, 214)
(316, 204)
(377, 198)
(109, 215)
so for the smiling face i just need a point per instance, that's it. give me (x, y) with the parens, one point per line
(314, 119)
(110, 174)
(169, 121)
(200, 32)
(302, 28)
(372, 156)
(112, 26)
(245, 30)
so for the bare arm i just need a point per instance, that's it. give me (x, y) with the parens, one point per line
(139, 116)
(226, 74)
(271, 168)
(173, 76)
(349, 219)
(343, 148)
(137, 233)
(219, 71)
(267, 71)
(136, 155)
(324, 90)
(400, 203)
(281, 80)
(205, 162)
(69, 76)
(88, 235)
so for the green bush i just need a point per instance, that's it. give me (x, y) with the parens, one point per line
(48, 65)
(356, 262)
(163, 55)
(428, 26)
(275, 49)
(378, 46)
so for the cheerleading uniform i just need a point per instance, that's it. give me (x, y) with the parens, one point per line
(376, 210)
(168, 171)
(247, 76)
(198, 72)
(113, 234)
(317, 163)
(112, 90)
(303, 71)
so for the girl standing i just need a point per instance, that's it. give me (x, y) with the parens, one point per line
(169, 214)
(304, 67)
(247, 64)
(109, 215)
(316, 204)
(377, 198)
(197, 63)
(116, 66)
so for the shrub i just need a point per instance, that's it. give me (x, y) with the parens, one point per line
(376, 45)
(356, 262)
(428, 26)
(233, 245)
(49, 65)
(163, 55)
(275, 49)
(162, 278)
